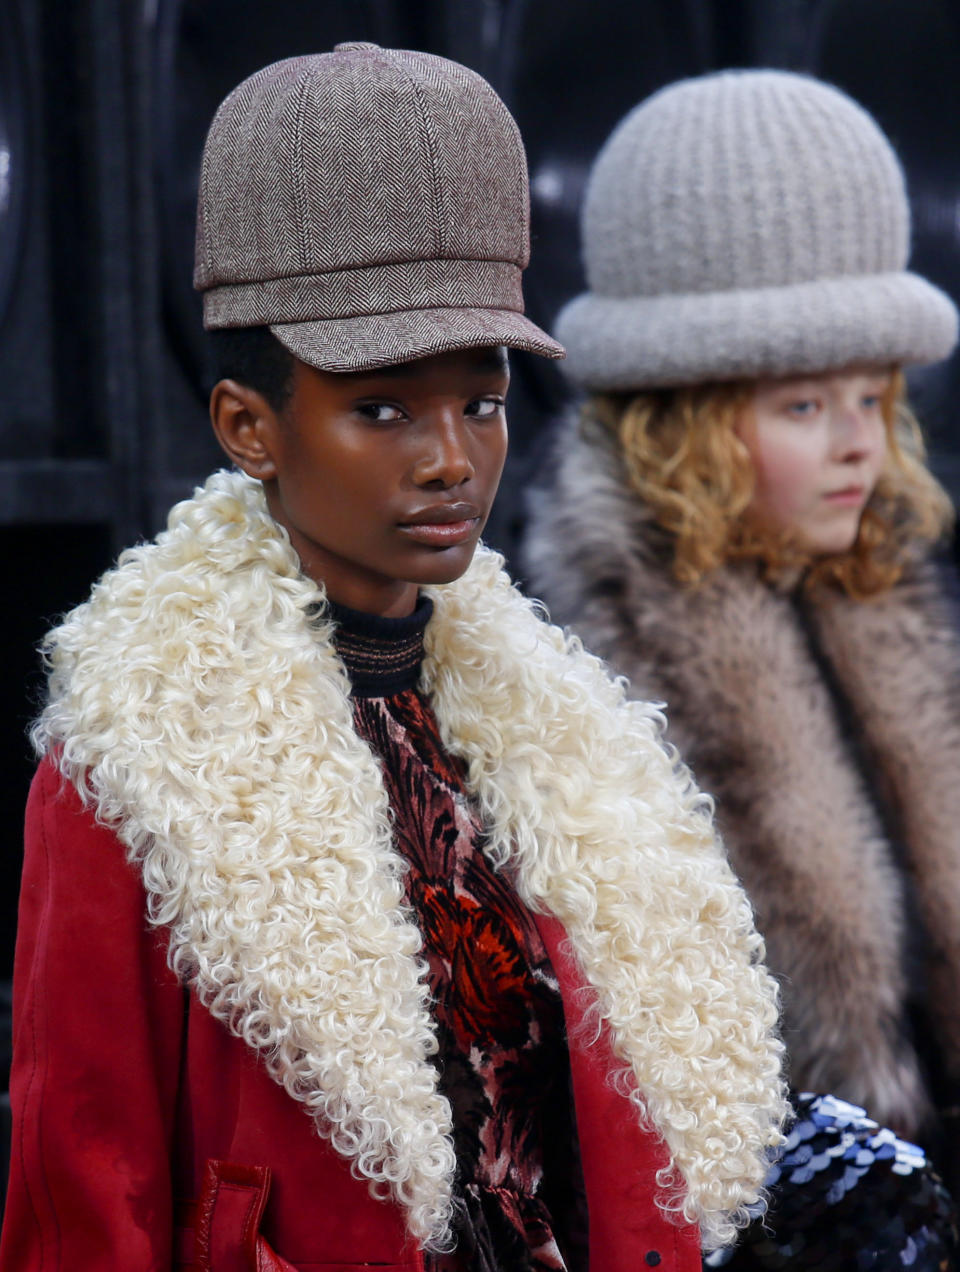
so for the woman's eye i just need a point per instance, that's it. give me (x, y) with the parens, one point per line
(380, 412)
(803, 408)
(484, 408)
(871, 401)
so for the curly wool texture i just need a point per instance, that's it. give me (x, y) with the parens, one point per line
(196, 710)
(604, 828)
(197, 702)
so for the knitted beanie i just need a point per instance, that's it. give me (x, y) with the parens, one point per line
(742, 224)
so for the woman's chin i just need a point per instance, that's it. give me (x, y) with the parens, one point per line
(830, 544)
(444, 565)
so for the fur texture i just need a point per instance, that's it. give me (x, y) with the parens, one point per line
(827, 729)
(197, 702)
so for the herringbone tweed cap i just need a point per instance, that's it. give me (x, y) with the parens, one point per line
(747, 223)
(370, 206)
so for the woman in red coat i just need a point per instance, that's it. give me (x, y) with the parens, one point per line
(127, 1090)
(364, 920)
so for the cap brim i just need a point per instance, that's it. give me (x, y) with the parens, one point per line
(379, 340)
(672, 340)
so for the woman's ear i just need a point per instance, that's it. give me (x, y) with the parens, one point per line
(246, 426)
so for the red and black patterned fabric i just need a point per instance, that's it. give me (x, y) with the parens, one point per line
(502, 1047)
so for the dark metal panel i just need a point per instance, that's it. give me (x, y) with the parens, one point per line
(54, 492)
(900, 59)
(26, 398)
(123, 262)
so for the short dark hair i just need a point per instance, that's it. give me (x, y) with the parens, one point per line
(255, 357)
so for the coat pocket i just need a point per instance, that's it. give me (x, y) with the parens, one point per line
(221, 1231)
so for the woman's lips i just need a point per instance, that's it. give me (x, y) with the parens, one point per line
(442, 526)
(850, 495)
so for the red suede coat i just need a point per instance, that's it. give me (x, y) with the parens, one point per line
(146, 1136)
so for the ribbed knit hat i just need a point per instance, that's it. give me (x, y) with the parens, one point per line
(747, 223)
(370, 206)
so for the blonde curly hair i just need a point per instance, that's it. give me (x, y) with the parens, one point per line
(685, 461)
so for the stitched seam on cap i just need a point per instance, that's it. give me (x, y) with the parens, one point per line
(406, 309)
(347, 269)
(206, 158)
(299, 176)
(439, 203)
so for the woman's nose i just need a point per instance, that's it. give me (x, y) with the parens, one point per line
(855, 434)
(444, 459)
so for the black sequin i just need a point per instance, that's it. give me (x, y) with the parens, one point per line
(847, 1196)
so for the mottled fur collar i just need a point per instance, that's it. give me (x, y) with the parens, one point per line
(198, 703)
(828, 730)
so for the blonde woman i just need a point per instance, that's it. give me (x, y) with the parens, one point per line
(740, 519)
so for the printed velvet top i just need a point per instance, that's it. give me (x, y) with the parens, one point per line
(502, 1048)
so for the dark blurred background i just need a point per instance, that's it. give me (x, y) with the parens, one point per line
(103, 109)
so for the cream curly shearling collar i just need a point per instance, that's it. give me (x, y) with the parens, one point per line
(197, 702)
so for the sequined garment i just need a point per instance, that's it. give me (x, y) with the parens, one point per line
(848, 1195)
(502, 1050)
